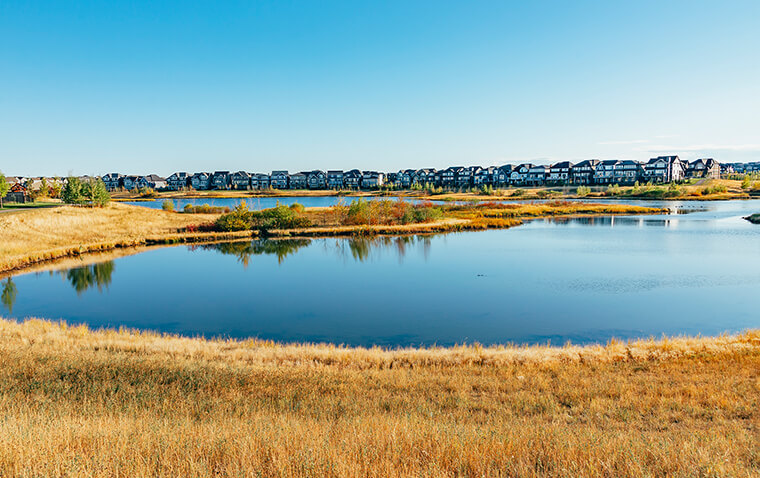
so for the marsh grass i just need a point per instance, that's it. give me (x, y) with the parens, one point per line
(77, 402)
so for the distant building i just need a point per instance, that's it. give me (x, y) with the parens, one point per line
(583, 172)
(178, 181)
(200, 181)
(279, 179)
(113, 181)
(335, 179)
(221, 180)
(664, 169)
(240, 180)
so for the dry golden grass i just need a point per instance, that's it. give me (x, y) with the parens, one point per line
(75, 402)
(35, 235)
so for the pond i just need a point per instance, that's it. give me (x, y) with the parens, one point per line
(583, 280)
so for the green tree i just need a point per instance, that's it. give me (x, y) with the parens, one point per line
(98, 193)
(72, 191)
(4, 188)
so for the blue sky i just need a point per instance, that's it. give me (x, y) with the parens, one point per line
(154, 87)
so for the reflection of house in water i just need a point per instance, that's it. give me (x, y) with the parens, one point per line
(612, 221)
(96, 275)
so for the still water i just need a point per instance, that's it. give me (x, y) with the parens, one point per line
(696, 271)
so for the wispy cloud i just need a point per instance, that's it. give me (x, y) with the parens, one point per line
(629, 141)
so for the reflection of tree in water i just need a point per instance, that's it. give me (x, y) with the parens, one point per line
(360, 247)
(244, 250)
(82, 278)
(9, 294)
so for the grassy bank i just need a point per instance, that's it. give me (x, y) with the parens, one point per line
(43, 234)
(80, 403)
(39, 235)
(394, 217)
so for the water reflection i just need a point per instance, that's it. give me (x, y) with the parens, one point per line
(96, 275)
(612, 221)
(361, 247)
(8, 296)
(244, 250)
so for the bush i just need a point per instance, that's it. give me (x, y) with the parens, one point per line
(239, 219)
(583, 191)
(168, 206)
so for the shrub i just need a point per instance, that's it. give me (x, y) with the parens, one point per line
(168, 206)
(239, 219)
(583, 191)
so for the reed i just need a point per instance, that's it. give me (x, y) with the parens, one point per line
(77, 402)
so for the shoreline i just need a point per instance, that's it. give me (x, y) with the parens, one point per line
(456, 221)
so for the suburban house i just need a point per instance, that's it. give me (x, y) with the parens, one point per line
(178, 181)
(484, 176)
(240, 180)
(259, 181)
(113, 181)
(583, 172)
(335, 179)
(626, 172)
(129, 182)
(200, 181)
(424, 176)
(466, 176)
(151, 181)
(664, 169)
(279, 179)
(405, 178)
(17, 193)
(605, 172)
(501, 177)
(449, 176)
(316, 179)
(703, 168)
(298, 180)
(220, 180)
(352, 179)
(372, 179)
(520, 174)
(537, 175)
(560, 173)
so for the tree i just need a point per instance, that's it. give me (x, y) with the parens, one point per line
(4, 188)
(72, 192)
(92, 192)
(98, 193)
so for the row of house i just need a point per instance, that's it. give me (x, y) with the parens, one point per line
(281, 179)
(663, 169)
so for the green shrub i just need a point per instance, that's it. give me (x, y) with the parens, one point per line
(239, 219)
(168, 205)
(583, 191)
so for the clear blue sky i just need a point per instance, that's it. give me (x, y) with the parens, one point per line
(154, 87)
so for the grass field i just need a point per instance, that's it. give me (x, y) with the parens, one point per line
(76, 402)
(35, 235)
